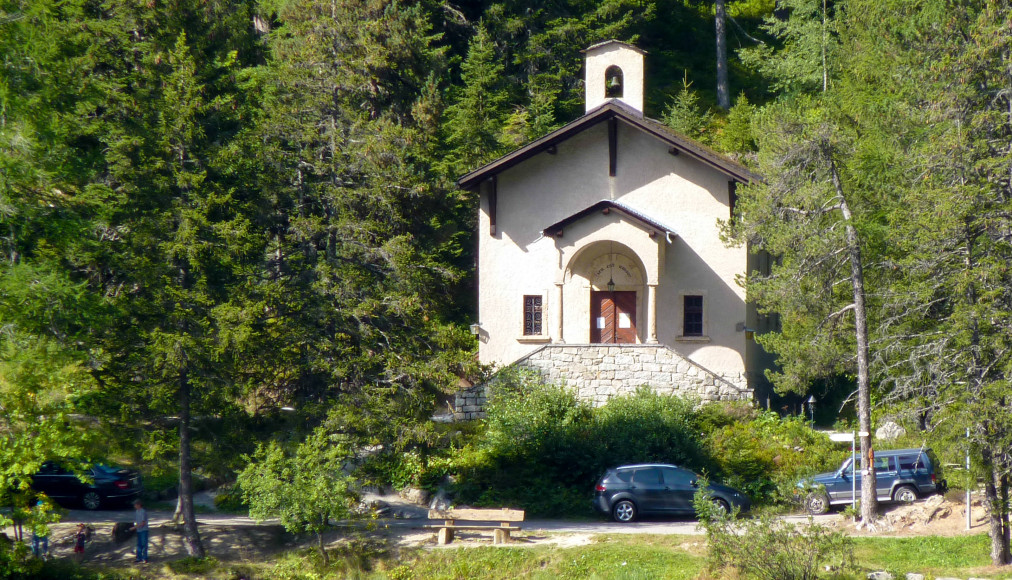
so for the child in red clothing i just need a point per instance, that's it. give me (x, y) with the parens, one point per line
(79, 538)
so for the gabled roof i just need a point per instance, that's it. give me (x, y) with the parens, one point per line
(612, 110)
(607, 42)
(606, 206)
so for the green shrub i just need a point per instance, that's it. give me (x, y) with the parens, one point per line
(229, 499)
(647, 427)
(15, 563)
(542, 449)
(769, 548)
(766, 456)
(194, 566)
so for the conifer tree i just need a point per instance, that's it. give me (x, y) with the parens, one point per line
(808, 37)
(475, 120)
(947, 315)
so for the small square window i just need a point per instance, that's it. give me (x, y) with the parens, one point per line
(692, 318)
(532, 315)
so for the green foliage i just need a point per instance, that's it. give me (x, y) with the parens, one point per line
(229, 499)
(768, 547)
(542, 449)
(309, 486)
(195, 566)
(304, 489)
(766, 456)
(684, 114)
(806, 56)
(475, 119)
(15, 561)
(736, 135)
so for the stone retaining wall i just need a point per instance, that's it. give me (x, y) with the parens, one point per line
(599, 372)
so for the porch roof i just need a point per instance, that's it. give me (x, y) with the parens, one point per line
(606, 206)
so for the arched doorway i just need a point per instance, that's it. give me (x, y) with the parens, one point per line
(616, 290)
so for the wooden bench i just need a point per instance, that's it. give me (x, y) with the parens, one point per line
(460, 519)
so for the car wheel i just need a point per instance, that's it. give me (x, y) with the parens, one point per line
(817, 503)
(904, 494)
(624, 511)
(91, 500)
(720, 506)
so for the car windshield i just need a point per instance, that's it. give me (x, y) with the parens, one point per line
(99, 468)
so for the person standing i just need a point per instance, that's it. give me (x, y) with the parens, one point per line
(40, 531)
(40, 542)
(79, 538)
(141, 526)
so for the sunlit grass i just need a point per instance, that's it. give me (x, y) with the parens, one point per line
(936, 555)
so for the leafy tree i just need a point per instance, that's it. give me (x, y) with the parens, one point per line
(306, 488)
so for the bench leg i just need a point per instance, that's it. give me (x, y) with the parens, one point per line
(500, 536)
(445, 536)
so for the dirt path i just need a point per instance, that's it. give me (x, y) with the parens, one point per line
(238, 538)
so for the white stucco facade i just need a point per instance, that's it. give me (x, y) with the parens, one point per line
(611, 198)
(626, 59)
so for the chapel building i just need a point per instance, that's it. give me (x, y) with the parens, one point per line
(600, 262)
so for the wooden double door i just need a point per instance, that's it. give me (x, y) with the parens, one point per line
(612, 317)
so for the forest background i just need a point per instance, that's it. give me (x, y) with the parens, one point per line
(231, 223)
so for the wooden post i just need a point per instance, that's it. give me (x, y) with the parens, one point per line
(445, 536)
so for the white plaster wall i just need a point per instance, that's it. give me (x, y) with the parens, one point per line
(676, 191)
(597, 62)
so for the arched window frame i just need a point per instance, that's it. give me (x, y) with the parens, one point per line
(614, 82)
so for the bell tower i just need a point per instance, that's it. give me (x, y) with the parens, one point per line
(614, 71)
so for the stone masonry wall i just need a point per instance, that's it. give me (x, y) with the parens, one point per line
(599, 372)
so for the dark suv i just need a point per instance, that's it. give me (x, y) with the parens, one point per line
(109, 484)
(655, 488)
(901, 475)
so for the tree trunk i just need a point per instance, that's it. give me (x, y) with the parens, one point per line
(995, 497)
(869, 499)
(723, 92)
(194, 547)
(177, 515)
(323, 550)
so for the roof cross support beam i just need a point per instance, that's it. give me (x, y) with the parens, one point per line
(612, 145)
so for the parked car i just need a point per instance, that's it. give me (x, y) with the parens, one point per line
(901, 475)
(628, 491)
(109, 485)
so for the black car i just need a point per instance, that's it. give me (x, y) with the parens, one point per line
(109, 485)
(655, 488)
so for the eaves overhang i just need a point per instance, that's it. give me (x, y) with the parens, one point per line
(612, 110)
(606, 207)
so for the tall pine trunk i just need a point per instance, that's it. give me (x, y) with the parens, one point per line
(869, 498)
(723, 92)
(996, 498)
(194, 547)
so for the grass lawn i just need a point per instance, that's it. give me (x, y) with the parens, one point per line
(959, 556)
(624, 556)
(619, 556)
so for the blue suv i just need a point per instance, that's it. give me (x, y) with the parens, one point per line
(901, 475)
